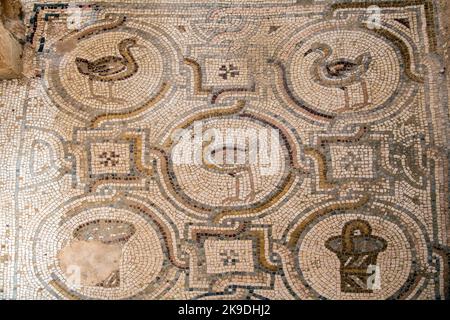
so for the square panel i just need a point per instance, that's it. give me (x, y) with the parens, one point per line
(224, 256)
(110, 158)
(352, 162)
(223, 72)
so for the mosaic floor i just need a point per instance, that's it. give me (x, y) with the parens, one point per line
(270, 150)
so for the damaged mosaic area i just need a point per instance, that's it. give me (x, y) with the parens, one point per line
(352, 203)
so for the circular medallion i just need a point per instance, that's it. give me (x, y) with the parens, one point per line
(354, 256)
(101, 251)
(114, 72)
(336, 66)
(242, 162)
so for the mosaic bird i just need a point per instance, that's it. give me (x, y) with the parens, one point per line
(226, 160)
(110, 68)
(340, 73)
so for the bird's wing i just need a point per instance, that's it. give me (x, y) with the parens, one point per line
(108, 66)
(340, 67)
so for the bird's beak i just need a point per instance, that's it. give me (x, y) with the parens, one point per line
(137, 45)
(308, 52)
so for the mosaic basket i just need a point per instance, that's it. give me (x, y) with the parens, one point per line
(357, 250)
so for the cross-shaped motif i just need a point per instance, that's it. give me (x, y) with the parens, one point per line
(110, 158)
(230, 257)
(316, 263)
(228, 71)
(351, 161)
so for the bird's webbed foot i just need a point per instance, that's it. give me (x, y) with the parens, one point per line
(343, 110)
(252, 195)
(360, 106)
(102, 99)
(116, 100)
(230, 200)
